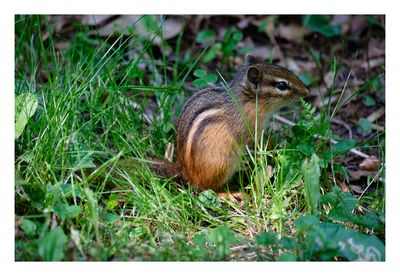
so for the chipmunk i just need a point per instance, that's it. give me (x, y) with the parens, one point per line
(212, 128)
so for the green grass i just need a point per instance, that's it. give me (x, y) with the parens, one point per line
(75, 201)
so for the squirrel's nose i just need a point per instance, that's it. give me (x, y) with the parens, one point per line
(303, 92)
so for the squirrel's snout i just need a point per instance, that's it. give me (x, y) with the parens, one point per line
(303, 92)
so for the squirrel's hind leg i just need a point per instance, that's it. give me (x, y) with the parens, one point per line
(213, 159)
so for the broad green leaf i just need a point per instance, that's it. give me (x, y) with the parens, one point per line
(306, 149)
(111, 204)
(209, 198)
(369, 101)
(109, 217)
(306, 223)
(330, 30)
(323, 162)
(331, 239)
(299, 130)
(200, 73)
(370, 219)
(27, 157)
(205, 35)
(311, 174)
(26, 103)
(222, 237)
(67, 211)
(316, 20)
(377, 84)
(364, 125)
(52, 245)
(212, 52)
(338, 198)
(232, 42)
(343, 147)
(211, 78)
(25, 107)
(238, 36)
(360, 247)
(69, 190)
(199, 83)
(288, 243)
(84, 163)
(321, 24)
(266, 239)
(200, 240)
(28, 227)
(198, 248)
(287, 257)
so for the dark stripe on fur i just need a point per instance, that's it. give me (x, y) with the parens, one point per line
(208, 122)
(197, 113)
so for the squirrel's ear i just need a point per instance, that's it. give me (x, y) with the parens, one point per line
(254, 76)
(250, 59)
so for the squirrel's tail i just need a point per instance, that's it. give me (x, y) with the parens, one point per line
(161, 167)
(164, 168)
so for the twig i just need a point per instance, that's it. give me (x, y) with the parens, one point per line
(340, 122)
(240, 247)
(283, 120)
(377, 127)
(376, 115)
(325, 101)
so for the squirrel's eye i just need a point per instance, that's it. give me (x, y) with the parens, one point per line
(281, 85)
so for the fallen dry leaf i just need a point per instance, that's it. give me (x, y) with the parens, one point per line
(356, 175)
(356, 189)
(169, 152)
(370, 164)
(126, 23)
(344, 187)
(328, 78)
(376, 48)
(376, 114)
(121, 25)
(172, 28)
(244, 22)
(293, 32)
(269, 171)
(372, 63)
(95, 19)
(269, 28)
(236, 197)
(343, 20)
(358, 25)
(265, 51)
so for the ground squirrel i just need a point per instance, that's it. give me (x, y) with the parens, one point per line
(211, 130)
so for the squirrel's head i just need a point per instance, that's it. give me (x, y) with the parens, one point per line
(271, 81)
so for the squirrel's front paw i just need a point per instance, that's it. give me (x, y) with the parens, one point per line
(236, 197)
